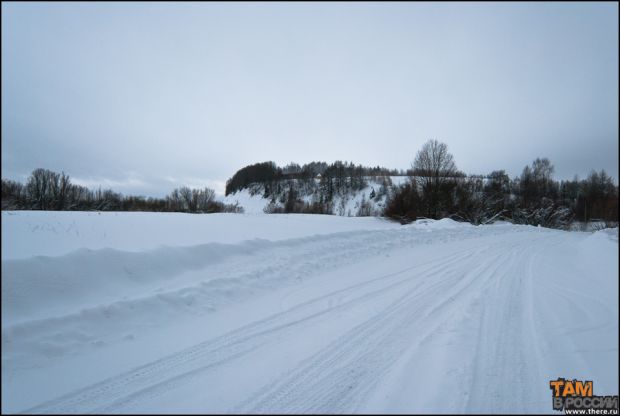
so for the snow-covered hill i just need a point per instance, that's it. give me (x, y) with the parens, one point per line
(349, 202)
(167, 313)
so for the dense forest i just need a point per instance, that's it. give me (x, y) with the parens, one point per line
(433, 187)
(48, 190)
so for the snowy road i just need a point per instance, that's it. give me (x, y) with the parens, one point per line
(426, 318)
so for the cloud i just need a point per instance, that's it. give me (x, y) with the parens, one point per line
(187, 94)
(105, 183)
(218, 186)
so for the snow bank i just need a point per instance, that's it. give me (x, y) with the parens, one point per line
(44, 287)
(442, 224)
(598, 251)
(610, 233)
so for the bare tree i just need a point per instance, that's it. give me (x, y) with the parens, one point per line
(41, 187)
(186, 199)
(12, 195)
(542, 171)
(59, 189)
(204, 199)
(433, 168)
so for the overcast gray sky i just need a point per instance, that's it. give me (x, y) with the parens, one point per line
(146, 97)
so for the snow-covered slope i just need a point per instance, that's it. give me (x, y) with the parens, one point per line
(300, 313)
(253, 201)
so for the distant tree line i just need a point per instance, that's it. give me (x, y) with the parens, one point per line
(48, 190)
(438, 190)
(435, 189)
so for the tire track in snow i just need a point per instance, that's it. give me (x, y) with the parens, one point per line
(507, 369)
(337, 378)
(136, 385)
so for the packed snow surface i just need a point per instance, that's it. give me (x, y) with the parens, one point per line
(232, 313)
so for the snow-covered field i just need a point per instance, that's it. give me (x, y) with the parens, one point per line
(151, 312)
